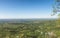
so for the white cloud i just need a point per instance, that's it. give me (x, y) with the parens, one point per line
(6, 16)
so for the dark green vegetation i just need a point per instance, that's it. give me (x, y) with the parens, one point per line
(30, 29)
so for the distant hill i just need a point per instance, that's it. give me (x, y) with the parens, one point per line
(25, 20)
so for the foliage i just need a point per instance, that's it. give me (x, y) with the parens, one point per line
(32, 29)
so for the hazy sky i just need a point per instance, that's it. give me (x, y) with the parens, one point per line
(26, 9)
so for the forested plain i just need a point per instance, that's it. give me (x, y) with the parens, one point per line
(30, 29)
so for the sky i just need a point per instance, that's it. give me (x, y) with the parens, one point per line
(17, 9)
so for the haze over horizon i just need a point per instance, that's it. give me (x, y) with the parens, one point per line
(23, 9)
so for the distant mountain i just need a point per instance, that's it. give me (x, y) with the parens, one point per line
(24, 20)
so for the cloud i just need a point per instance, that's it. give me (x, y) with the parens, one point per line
(9, 16)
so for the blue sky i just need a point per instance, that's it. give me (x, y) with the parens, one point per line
(26, 9)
